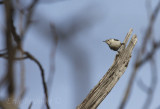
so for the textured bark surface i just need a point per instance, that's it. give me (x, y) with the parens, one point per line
(105, 85)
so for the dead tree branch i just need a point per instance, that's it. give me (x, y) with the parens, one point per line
(105, 85)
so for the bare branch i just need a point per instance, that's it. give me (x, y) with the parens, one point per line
(10, 48)
(152, 87)
(30, 106)
(29, 16)
(134, 72)
(126, 40)
(16, 37)
(150, 27)
(52, 55)
(42, 75)
(5, 55)
(128, 36)
(28, 55)
(149, 54)
(105, 85)
(52, 59)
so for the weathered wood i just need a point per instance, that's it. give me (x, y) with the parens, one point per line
(105, 85)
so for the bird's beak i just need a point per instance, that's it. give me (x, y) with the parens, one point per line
(103, 41)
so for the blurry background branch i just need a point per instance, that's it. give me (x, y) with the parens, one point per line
(52, 56)
(11, 50)
(142, 53)
(9, 77)
(151, 89)
(28, 21)
(30, 106)
(1, 2)
(28, 55)
(10, 53)
(43, 77)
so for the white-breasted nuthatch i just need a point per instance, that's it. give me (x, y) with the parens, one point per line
(113, 44)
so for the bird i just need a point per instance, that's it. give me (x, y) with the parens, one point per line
(114, 44)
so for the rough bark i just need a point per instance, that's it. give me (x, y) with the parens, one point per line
(105, 85)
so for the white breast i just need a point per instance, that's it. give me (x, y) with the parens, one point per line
(115, 43)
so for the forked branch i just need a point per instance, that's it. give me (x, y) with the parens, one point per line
(105, 85)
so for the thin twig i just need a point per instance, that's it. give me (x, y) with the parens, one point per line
(152, 87)
(29, 16)
(42, 75)
(30, 106)
(28, 55)
(134, 73)
(16, 37)
(52, 59)
(149, 54)
(52, 55)
(150, 27)
(5, 55)
(149, 90)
